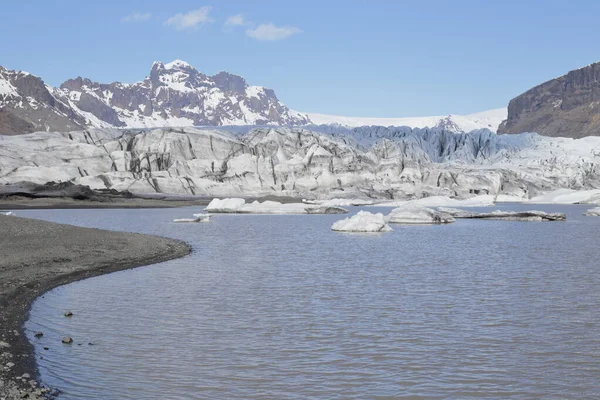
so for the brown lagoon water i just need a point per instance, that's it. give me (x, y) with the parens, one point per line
(280, 307)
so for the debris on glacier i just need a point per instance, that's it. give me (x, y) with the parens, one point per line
(363, 221)
(568, 196)
(505, 215)
(441, 201)
(418, 215)
(239, 206)
(593, 212)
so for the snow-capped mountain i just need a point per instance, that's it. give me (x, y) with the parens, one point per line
(490, 119)
(27, 105)
(174, 94)
(177, 94)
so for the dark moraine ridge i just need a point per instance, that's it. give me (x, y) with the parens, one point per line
(36, 256)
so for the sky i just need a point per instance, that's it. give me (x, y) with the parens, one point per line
(376, 58)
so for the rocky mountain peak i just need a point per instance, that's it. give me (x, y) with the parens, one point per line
(229, 82)
(174, 94)
(566, 106)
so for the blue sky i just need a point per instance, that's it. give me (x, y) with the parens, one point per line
(379, 58)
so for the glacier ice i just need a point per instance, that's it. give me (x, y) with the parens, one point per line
(505, 215)
(197, 218)
(418, 215)
(593, 212)
(363, 221)
(568, 196)
(239, 206)
(378, 164)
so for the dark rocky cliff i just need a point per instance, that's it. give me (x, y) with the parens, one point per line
(567, 106)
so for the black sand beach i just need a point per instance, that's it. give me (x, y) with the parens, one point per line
(36, 256)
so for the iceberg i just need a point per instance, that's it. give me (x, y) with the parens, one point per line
(239, 206)
(505, 215)
(418, 215)
(364, 221)
(593, 212)
(8, 213)
(225, 205)
(202, 217)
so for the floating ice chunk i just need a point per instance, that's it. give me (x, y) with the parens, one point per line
(364, 221)
(505, 215)
(418, 215)
(191, 220)
(239, 206)
(442, 201)
(225, 205)
(593, 212)
(202, 217)
(568, 196)
(7, 213)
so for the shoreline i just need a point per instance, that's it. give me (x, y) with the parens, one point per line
(38, 256)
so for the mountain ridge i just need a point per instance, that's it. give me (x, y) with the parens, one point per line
(566, 106)
(176, 94)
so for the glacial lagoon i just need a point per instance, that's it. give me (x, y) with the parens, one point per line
(281, 307)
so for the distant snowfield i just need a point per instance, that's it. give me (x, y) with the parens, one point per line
(490, 119)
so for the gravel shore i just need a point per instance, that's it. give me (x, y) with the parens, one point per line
(36, 256)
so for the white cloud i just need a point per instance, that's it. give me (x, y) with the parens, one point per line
(137, 17)
(190, 20)
(272, 32)
(235, 20)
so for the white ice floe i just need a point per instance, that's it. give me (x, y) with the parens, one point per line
(418, 215)
(593, 212)
(197, 218)
(442, 201)
(239, 206)
(568, 196)
(202, 217)
(532, 215)
(225, 205)
(7, 213)
(364, 221)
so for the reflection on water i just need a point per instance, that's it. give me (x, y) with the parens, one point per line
(274, 307)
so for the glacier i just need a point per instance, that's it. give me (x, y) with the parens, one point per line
(362, 165)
